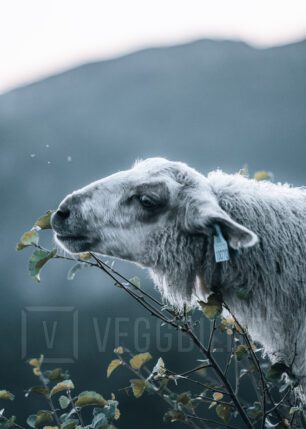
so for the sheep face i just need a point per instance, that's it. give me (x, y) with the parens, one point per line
(116, 216)
(150, 214)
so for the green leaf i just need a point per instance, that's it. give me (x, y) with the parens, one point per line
(293, 410)
(43, 417)
(112, 366)
(174, 416)
(90, 398)
(111, 411)
(138, 360)
(99, 421)
(5, 394)
(61, 387)
(44, 221)
(38, 259)
(63, 401)
(284, 424)
(73, 270)
(31, 421)
(55, 374)
(255, 410)
(276, 370)
(7, 424)
(213, 307)
(69, 424)
(241, 351)
(224, 412)
(135, 281)
(27, 239)
(39, 390)
(184, 398)
(138, 386)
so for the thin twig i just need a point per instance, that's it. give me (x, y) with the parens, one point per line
(212, 332)
(218, 424)
(49, 399)
(230, 356)
(158, 392)
(224, 380)
(78, 412)
(187, 330)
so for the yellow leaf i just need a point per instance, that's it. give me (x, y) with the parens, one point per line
(27, 239)
(43, 416)
(138, 387)
(112, 366)
(36, 362)
(224, 412)
(119, 350)
(44, 221)
(241, 351)
(212, 308)
(229, 320)
(5, 394)
(262, 175)
(184, 398)
(85, 256)
(90, 398)
(217, 396)
(138, 360)
(117, 414)
(37, 371)
(62, 386)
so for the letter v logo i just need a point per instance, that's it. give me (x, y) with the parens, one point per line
(49, 338)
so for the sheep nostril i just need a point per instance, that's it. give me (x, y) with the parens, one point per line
(63, 213)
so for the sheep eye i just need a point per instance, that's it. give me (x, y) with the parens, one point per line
(147, 201)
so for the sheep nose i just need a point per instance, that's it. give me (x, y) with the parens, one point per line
(60, 218)
(63, 213)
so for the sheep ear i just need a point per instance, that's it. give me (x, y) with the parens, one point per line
(238, 236)
(202, 218)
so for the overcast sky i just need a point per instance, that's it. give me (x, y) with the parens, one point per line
(41, 37)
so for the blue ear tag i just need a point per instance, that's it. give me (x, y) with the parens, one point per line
(220, 246)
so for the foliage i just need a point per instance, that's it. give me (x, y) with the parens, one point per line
(212, 391)
(64, 407)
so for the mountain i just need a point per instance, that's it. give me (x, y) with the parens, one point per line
(209, 103)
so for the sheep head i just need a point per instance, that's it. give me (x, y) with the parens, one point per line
(158, 214)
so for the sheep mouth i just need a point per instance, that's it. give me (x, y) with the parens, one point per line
(75, 243)
(65, 238)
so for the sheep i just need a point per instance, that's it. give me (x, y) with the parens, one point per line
(163, 215)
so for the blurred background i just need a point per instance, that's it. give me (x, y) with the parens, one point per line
(85, 89)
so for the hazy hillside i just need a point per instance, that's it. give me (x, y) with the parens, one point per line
(211, 104)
